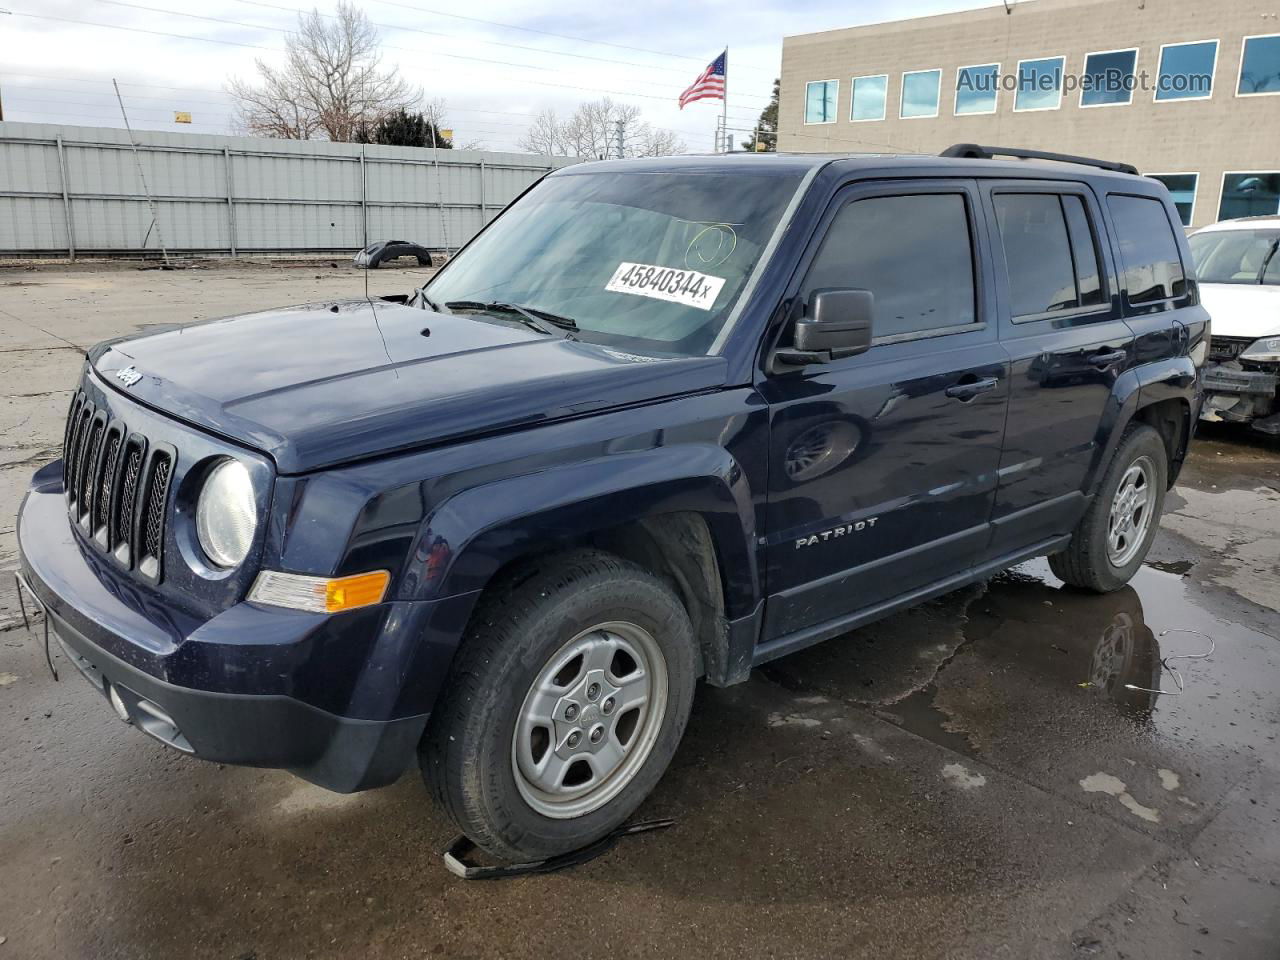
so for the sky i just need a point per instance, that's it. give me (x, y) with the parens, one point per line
(496, 63)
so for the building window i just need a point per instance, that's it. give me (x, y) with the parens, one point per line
(820, 101)
(868, 97)
(1260, 66)
(1249, 195)
(1148, 249)
(976, 89)
(1039, 84)
(1186, 70)
(920, 90)
(1109, 78)
(1182, 187)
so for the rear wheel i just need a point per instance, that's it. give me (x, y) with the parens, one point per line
(1112, 539)
(564, 706)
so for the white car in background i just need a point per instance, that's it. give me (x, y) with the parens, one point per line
(1239, 271)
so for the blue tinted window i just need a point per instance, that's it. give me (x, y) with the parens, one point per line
(868, 98)
(1186, 71)
(1182, 187)
(1108, 78)
(820, 101)
(920, 93)
(1250, 195)
(1260, 67)
(1039, 84)
(976, 89)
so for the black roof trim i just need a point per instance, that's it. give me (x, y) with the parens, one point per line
(975, 151)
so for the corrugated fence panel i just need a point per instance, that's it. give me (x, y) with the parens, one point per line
(280, 195)
(30, 167)
(32, 223)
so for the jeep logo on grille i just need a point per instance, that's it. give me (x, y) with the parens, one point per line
(128, 376)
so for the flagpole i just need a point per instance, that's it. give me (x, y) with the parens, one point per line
(724, 104)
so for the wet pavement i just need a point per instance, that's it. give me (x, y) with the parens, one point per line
(989, 775)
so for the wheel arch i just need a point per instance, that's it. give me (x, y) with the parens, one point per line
(685, 515)
(1158, 394)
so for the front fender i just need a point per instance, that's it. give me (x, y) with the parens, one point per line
(467, 538)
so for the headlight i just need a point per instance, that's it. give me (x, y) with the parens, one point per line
(226, 514)
(1268, 348)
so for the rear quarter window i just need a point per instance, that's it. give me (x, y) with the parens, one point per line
(1148, 249)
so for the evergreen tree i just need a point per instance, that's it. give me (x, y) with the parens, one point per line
(766, 131)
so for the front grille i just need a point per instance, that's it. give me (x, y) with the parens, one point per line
(105, 480)
(121, 534)
(117, 486)
(1225, 349)
(153, 518)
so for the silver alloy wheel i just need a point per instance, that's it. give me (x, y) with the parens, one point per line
(589, 720)
(1131, 511)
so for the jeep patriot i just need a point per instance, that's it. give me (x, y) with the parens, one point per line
(660, 421)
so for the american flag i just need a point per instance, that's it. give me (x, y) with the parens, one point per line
(710, 85)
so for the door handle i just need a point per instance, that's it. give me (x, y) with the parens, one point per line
(1109, 359)
(967, 391)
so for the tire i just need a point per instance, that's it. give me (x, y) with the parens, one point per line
(1092, 560)
(524, 638)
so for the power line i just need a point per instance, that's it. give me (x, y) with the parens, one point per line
(454, 36)
(254, 46)
(286, 32)
(560, 36)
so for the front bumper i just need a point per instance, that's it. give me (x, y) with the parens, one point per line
(1234, 395)
(234, 689)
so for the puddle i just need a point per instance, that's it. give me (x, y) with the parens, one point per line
(1177, 567)
(1061, 645)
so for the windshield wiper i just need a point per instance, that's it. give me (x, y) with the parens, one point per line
(530, 316)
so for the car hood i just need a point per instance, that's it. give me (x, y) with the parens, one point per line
(322, 384)
(1242, 309)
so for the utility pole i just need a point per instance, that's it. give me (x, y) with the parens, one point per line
(620, 138)
(151, 203)
(9, 13)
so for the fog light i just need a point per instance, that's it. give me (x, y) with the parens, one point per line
(117, 704)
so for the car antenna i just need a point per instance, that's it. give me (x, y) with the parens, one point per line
(364, 179)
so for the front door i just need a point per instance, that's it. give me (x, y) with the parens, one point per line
(883, 465)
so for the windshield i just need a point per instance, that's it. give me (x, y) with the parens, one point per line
(646, 260)
(1236, 256)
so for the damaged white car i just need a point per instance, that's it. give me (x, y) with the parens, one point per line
(1239, 271)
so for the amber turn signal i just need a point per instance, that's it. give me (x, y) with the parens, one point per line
(319, 594)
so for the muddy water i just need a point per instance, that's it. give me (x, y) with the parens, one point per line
(1073, 692)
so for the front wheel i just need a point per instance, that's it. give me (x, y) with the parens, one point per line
(564, 706)
(1112, 539)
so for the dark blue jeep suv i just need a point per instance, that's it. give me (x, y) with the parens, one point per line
(661, 420)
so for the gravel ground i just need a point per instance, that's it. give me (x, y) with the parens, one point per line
(972, 778)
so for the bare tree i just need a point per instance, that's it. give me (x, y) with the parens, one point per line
(592, 132)
(332, 83)
(544, 135)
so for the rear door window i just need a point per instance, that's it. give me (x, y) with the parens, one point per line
(1050, 253)
(914, 253)
(1148, 249)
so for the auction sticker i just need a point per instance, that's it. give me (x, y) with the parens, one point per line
(689, 287)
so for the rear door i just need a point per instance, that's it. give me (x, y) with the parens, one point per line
(882, 469)
(1061, 322)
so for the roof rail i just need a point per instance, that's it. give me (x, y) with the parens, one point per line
(974, 151)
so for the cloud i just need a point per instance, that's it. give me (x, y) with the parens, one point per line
(493, 77)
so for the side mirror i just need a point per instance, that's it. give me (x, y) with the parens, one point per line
(836, 323)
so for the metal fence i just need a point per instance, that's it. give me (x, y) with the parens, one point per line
(76, 191)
